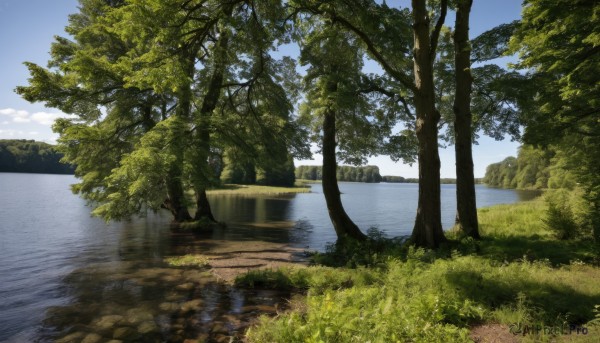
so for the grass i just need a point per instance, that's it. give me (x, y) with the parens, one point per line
(230, 189)
(197, 261)
(519, 274)
(513, 232)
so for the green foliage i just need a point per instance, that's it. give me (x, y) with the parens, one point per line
(514, 232)
(368, 174)
(237, 170)
(502, 174)
(423, 300)
(419, 295)
(558, 46)
(277, 171)
(139, 183)
(566, 214)
(532, 169)
(353, 253)
(27, 156)
(133, 66)
(366, 107)
(197, 261)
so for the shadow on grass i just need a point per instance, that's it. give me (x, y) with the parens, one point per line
(547, 301)
(512, 248)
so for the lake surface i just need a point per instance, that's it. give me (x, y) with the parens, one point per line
(62, 271)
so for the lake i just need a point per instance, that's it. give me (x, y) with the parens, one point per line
(62, 270)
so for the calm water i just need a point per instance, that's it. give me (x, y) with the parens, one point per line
(62, 272)
(390, 207)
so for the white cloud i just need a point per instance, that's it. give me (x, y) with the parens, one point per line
(42, 118)
(21, 120)
(15, 114)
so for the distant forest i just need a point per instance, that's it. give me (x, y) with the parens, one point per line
(28, 156)
(368, 174)
(533, 168)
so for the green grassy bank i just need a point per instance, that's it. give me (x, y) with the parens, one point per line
(231, 189)
(519, 278)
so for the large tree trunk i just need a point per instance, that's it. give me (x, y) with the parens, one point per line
(344, 226)
(176, 203)
(202, 169)
(428, 230)
(466, 215)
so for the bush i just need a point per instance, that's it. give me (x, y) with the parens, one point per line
(568, 214)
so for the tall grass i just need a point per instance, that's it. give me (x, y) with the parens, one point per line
(414, 295)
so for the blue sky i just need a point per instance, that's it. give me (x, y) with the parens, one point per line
(27, 28)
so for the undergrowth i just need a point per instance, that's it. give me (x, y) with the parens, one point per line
(383, 291)
(198, 261)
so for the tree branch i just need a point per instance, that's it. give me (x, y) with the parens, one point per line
(396, 74)
(435, 35)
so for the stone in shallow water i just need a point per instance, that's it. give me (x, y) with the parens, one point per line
(192, 305)
(125, 334)
(219, 327)
(173, 296)
(147, 327)
(108, 322)
(138, 315)
(188, 286)
(220, 338)
(92, 338)
(74, 337)
(168, 307)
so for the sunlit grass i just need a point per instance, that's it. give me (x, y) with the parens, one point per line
(518, 274)
(188, 261)
(257, 190)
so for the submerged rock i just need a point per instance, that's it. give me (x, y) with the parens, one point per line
(168, 306)
(188, 286)
(92, 338)
(71, 338)
(126, 334)
(147, 327)
(192, 305)
(108, 322)
(137, 315)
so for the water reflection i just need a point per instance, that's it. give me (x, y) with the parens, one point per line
(234, 209)
(134, 302)
(84, 279)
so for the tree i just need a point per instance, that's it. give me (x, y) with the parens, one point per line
(559, 44)
(81, 80)
(334, 67)
(386, 34)
(428, 228)
(466, 217)
(161, 71)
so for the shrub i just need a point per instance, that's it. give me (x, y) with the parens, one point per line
(568, 214)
